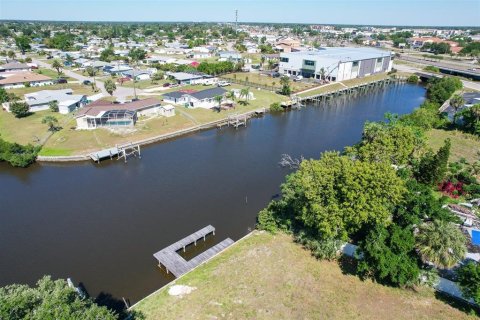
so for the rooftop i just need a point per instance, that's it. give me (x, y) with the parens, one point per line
(341, 54)
(46, 96)
(14, 65)
(99, 106)
(12, 78)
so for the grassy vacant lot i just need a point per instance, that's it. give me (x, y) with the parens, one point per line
(270, 277)
(463, 145)
(26, 130)
(77, 89)
(268, 81)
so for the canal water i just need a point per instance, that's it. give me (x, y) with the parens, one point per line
(100, 224)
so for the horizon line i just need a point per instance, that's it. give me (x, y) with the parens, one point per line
(241, 22)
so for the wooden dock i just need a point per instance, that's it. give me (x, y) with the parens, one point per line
(120, 152)
(176, 264)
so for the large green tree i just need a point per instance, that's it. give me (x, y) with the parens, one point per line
(388, 255)
(432, 168)
(441, 243)
(336, 196)
(20, 109)
(48, 300)
(387, 142)
(23, 43)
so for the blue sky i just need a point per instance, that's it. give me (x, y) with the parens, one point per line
(383, 12)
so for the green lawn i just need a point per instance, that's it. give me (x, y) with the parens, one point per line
(463, 145)
(29, 129)
(269, 277)
(52, 73)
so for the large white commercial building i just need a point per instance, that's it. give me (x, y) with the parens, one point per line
(336, 64)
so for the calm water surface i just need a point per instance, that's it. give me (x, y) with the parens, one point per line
(100, 224)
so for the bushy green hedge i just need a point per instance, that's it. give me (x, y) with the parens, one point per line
(18, 155)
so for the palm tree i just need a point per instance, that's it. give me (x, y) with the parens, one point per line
(91, 71)
(456, 102)
(322, 73)
(218, 99)
(52, 122)
(230, 95)
(57, 65)
(441, 243)
(245, 92)
(110, 86)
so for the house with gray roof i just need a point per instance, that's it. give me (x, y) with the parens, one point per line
(195, 99)
(14, 66)
(137, 74)
(67, 101)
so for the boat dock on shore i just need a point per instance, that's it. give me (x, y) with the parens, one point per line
(176, 264)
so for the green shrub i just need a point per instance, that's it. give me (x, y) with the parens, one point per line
(266, 221)
(412, 79)
(324, 249)
(276, 107)
(431, 69)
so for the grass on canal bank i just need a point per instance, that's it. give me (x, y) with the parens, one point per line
(464, 145)
(269, 277)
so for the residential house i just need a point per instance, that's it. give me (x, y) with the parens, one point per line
(67, 101)
(137, 74)
(287, 44)
(189, 78)
(18, 80)
(106, 114)
(15, 66)
(195, 99)
(230, 56)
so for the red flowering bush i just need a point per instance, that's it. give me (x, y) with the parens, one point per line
(451, 189)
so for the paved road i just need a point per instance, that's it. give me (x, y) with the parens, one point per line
(463, 66)
(466, 83)
(121, 93)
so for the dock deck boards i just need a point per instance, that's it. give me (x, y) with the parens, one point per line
(176, 264)
(102, 154)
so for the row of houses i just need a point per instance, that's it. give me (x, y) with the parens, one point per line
(18, 75)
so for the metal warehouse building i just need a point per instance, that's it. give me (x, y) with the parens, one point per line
(336, 64)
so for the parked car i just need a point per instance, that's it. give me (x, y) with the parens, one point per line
(87, 82)
(61, 80)
(276, 75)
(298, 78)
(166, 84)
(223, 83)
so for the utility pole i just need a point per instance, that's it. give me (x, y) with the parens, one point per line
(236, 21)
